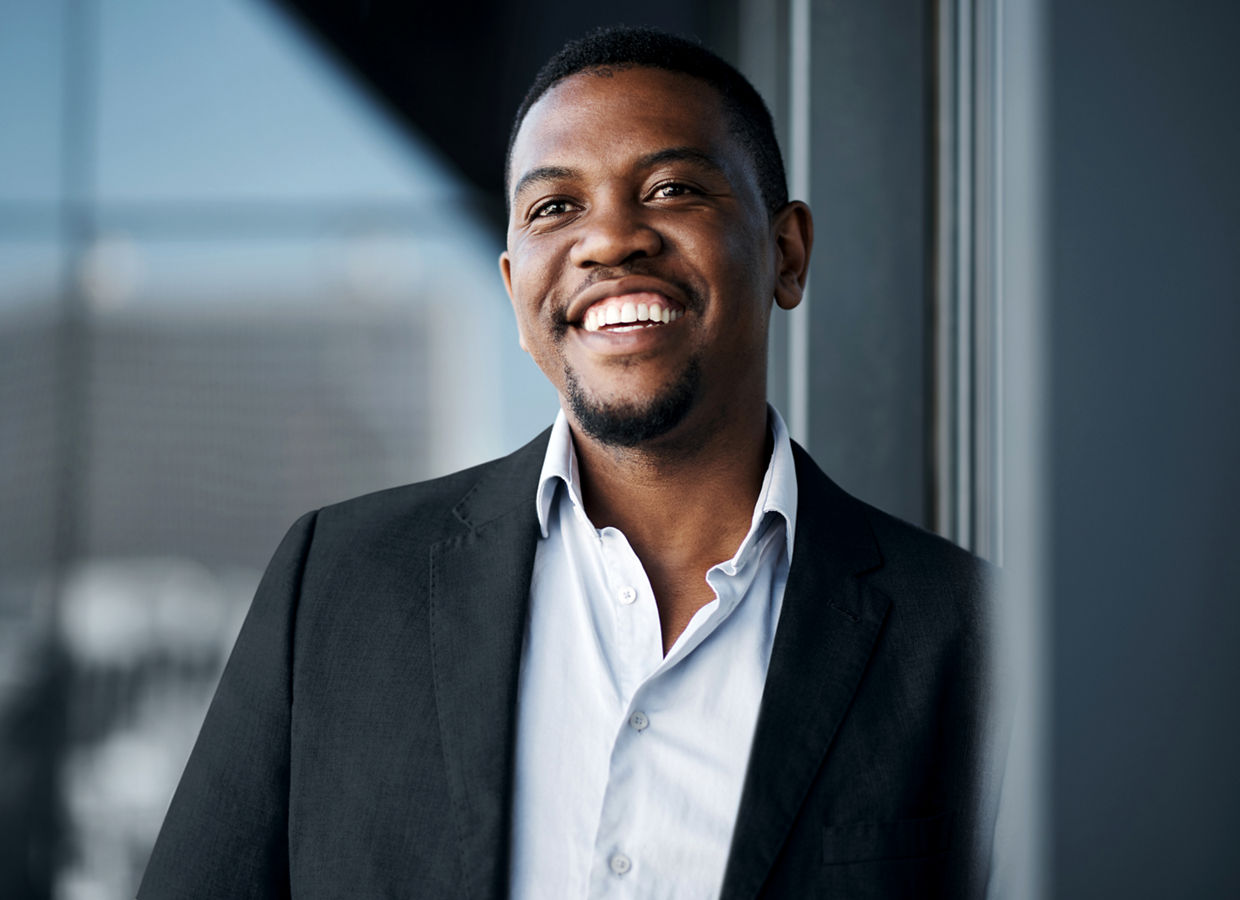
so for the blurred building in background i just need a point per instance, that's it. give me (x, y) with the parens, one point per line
(231, 290)
(248, 267)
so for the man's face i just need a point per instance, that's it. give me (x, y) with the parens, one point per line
(641, 260)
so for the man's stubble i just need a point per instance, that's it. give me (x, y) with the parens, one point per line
(628, 425)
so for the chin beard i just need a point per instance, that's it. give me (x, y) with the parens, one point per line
(627, 425)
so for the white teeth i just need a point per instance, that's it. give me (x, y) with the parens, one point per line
(627, 313)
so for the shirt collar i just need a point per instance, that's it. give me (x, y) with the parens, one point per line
(779, 484)
(560, 464)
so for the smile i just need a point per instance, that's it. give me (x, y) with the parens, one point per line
(630, 312)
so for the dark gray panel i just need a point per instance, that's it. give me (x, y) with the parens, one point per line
(1145, 443)
(869, 189)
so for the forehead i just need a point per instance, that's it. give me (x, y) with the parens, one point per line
(605, 116)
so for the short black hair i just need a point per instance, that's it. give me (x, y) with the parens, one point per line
(621, 47)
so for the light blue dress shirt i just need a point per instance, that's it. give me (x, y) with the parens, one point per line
(629, 764)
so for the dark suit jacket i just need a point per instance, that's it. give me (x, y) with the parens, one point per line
(360, 743)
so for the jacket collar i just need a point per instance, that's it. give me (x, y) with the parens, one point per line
(827, 630)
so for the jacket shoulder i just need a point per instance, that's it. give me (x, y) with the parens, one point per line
(921, 558)
(440, 505)
(878, 543)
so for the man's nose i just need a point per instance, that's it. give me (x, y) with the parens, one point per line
(613, 233)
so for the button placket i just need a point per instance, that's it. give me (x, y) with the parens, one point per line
(638, 643)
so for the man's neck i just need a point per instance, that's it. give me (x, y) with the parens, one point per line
(684, 504)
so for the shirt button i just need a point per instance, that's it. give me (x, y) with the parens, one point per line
(621, 863)
(627, 595)
(639, 721)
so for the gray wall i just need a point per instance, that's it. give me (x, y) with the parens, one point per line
(871, 196)
(1144, 444)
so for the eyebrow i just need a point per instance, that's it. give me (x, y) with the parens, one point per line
(681, 154)
(659, 157)
(541, 174)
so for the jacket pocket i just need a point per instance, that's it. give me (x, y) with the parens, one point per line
(906, 839)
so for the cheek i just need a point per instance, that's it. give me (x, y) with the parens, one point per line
(524, 293)
(535, 323)
(532, 279)
(730, 255)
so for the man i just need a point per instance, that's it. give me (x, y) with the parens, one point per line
(656, 652)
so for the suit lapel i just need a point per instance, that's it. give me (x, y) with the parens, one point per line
(479, 597)
(827, 630)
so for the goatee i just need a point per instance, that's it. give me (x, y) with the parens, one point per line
(627, 425)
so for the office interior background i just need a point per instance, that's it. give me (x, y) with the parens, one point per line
(248, 267)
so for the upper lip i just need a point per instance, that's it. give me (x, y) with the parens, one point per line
(618, 287)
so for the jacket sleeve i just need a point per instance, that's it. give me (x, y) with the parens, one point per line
(225, 834)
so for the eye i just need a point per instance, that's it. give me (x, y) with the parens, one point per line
(671, 189)
(550, 208)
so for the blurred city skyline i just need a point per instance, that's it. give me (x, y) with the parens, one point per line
(231, 290)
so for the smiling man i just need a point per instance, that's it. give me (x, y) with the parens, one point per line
(656, 652)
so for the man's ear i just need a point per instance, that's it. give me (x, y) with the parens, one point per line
(793, 229)
(505, 271)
